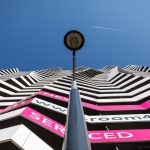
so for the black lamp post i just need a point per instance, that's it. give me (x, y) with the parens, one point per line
(76, 136)
(74, 41)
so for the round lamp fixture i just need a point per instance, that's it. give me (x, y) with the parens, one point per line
(74, 40)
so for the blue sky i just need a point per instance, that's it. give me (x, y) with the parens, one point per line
(117, 32)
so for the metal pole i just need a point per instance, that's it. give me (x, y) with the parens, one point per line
(76, 135)
(74, 65)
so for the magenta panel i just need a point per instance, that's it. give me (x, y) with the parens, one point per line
(94, 136)
(120, 136)
(43, 121)
(17, 105)
(142, 106)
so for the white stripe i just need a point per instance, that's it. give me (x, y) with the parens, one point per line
(16, 81)
(22, 77)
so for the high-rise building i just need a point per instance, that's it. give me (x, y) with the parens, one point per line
(116, 102)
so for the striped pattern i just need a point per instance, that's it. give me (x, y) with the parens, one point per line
(35, 103)
(138, 68)
(20, 85)
(8, 71)
(108, 67)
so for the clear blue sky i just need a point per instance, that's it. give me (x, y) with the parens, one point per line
(117, 32)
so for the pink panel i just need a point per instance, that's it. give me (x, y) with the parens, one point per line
(94, 136)
(43, 121)
(119, 136)
(142, 106)
(17, 105)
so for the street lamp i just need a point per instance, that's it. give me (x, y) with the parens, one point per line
(76, 136)
(74, 41)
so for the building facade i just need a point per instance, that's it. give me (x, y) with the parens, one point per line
(116, 102)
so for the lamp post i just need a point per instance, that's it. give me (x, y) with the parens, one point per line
(74, 41)
(76, 136)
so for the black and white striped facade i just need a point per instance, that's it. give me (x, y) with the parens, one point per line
(116, 102)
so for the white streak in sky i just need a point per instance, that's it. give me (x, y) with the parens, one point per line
(107, 28)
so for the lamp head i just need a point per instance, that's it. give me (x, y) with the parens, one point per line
(74, 40)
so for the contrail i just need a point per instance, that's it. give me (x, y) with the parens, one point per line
(107, 28)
